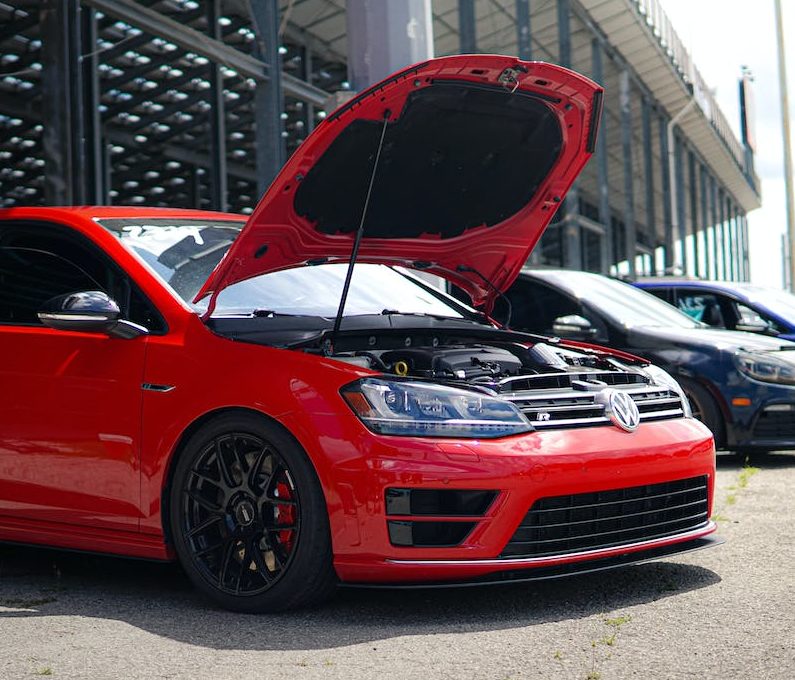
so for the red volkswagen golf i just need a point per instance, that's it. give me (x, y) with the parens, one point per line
(285, 403)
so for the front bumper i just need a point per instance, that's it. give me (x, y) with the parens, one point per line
(521, 469)
(768, 423)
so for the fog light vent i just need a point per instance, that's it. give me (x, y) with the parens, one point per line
(428, 534)
(438, 502)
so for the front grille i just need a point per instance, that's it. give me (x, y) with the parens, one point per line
(547, 409)
(775, 424)
(604, 519)
(543, 381)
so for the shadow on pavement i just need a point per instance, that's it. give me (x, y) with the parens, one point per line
(158, 598)
(766, 460)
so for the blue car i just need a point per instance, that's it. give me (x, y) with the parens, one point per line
(725, 304)
(741, 385)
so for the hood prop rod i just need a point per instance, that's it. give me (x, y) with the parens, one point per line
(358, 240)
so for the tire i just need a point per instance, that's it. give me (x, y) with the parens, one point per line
(248, 517)
(705, 409)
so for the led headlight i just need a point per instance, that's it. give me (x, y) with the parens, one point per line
(426, 410)
(766, 367)
(665, 379)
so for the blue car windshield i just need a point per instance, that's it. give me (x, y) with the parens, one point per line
(779, 302)
(183, 253)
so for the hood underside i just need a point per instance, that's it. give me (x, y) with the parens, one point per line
(474, 155)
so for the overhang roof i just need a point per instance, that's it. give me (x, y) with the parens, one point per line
(637, 30)
(642, 34)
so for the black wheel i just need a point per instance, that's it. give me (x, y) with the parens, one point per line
(249, 519)
(705, 409)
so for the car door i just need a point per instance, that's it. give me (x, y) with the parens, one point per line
(70, 403)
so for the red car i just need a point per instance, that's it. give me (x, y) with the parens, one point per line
(181, 384)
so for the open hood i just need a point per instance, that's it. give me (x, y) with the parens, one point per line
(476, 154)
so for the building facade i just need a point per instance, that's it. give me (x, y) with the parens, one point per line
(197, 103)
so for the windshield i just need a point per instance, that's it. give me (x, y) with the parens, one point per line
(316, 291)
(184, 252)
(622, 303)
(779, 302)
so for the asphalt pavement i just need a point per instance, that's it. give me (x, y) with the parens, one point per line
(725, 612)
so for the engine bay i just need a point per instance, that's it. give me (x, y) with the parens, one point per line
(485, 364)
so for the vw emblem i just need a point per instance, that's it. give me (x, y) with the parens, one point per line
(621, 409)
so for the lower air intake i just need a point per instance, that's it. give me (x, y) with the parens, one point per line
(605, 519)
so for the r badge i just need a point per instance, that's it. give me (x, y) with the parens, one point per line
(621, 408)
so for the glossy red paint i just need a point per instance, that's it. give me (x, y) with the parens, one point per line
(277, 237)
(85, 455)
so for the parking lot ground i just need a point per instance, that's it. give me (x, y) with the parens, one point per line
(727, 612)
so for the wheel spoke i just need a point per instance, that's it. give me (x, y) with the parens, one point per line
(243, 568)
(256, 467)
(223, 467)
(279, 501)
(205, 502)
(276, 471)
(206, 524)
(204, 478)
(228, 556)
(240, 457)
(209, 549)
(259, 561)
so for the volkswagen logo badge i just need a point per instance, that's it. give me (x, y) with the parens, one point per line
(621, 408)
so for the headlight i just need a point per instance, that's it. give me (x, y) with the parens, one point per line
(766, 367)
(420, 410)
(665, 379)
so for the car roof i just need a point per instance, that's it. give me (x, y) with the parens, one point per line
(736, 287)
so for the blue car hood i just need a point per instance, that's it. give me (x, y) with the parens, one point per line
(707, 338)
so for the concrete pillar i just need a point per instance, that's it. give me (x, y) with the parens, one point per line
(467, 27)
(218, 176)
(384, 37)
(648, 173)
(693, 205)
(625, 99)
(523, 33)
(665, 176)
(602, 160)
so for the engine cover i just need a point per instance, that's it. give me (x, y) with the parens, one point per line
(458, 362)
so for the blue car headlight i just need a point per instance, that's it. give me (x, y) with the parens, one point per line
(426, 410)
(766, 367)
(665, 379)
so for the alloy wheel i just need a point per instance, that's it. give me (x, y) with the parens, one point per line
(241, 514)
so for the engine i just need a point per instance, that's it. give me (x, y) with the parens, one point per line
(477, 363)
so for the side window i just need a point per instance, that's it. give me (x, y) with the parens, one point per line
(703, 307)
(29, 277)
(38, 262)
(535, 307)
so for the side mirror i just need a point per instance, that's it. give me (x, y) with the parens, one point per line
(90, 311)
(573, 326)
(752, 326)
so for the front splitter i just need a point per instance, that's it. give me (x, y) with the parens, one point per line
(556, 571)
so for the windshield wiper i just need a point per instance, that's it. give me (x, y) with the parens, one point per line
(429, 315)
